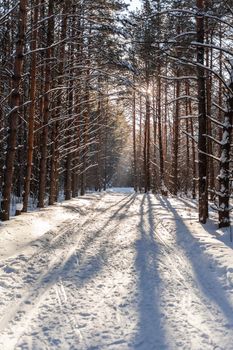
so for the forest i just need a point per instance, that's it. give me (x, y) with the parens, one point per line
(116, 175)
(83, 83)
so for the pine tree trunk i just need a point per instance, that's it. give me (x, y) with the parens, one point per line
(146, 150)
(68, 164)
(209, 83)
(154, 119)
(13, 117)
(44, 139)
(140, 145)
(224, 176)
(160, 136)
(31, 117)
(194, 171)
(86, 117)
(187, 181)
(54, 164)
(202, 123)
(165, 128)
(135, 173)
(70, 98)
(55, 131)
(148, 172)
(176, 139)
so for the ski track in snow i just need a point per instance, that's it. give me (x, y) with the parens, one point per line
(126, 274)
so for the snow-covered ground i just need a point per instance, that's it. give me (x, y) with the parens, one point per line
(115, 271)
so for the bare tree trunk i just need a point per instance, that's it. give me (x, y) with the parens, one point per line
(224, 175)
(176, 139)
(220, 86)
(55, 131)
(31, 117)
(160, 137)
(147, 142)
(77, 103)
(202, 147)
(165, 129)
(135, 172)
(68, 164)
(86, 117)
(70, 98)
(187, 181)
(209, 82)
(194, 171)
(154, 118)
(44, 146)
(148, 147)
(85, 137)
(140, 145)
(98, 183)
(13, 117)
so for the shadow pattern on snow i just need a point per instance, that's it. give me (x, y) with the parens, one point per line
(75, 267)
(210, 287)
(90, 267)
(150, 329)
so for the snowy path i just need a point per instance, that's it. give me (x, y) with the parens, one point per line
(126, 273)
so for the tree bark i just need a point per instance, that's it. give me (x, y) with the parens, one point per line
(13, 117)
(44, 139)
(176, 139)
(224, 175)
(135, 172)
(31, 117)
(202, 123)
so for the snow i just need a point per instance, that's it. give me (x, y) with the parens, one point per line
(120, 190)
(26, 229)
(115, 270)
(225, 137)
(134, 4)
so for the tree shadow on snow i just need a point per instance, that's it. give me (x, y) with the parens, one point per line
(126, 203)
(206, 278)
(93, 264)
(224, 236)
(150, 333)
(78, 267)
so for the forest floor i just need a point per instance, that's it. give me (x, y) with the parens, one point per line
(115, 271)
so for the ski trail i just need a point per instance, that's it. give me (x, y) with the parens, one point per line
(25, 310)
(120, 277)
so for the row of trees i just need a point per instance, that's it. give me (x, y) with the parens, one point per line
(61, 121)
(183, 54)
(79, 80)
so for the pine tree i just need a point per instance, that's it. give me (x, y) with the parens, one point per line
(15, 111)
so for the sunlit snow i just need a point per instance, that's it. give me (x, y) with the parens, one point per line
(116, 270)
